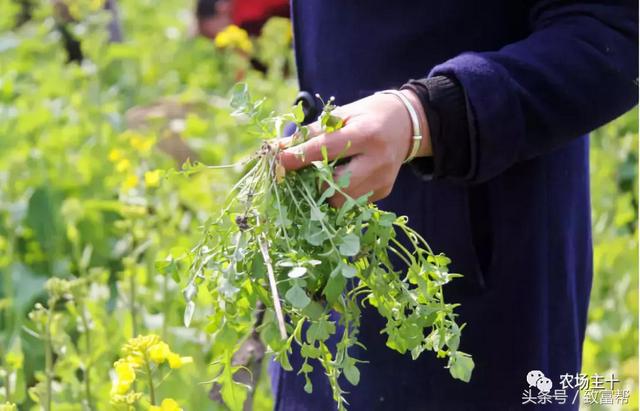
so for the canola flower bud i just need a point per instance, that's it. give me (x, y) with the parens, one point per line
(135, 360)
(129, 398)
(159, 352)
(176, 361)
(168, 404)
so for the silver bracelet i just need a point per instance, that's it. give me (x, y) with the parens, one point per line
(415, 122)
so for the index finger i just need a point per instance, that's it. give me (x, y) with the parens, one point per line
(314, 129)
(338, 143)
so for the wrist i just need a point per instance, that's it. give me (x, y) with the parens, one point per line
(425, 148)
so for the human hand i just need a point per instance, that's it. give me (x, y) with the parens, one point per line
(377, 135)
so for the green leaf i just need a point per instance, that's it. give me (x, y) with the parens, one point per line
(240, 96)
(350, 245)
(442, 260)
(31, 284)
(283, 358)
(282, 220)
(188, 313)
(297, 297)
(320, 330)
(226, 336)
(348, 271)
(351, 373)
(308, 387)
(333, 289)
(328, 193)
(232, 392)
(297, 272)
(343, 180)
(315, 235)
(454, 341)
(310, 351)
(316, 214)
(461, 366)
(387, 219)
(258, 268)
(332, 123)
(298, 113)
(314, 310)
(348, 205)
(306, 368)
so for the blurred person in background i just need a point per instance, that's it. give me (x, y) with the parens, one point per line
(212, 16)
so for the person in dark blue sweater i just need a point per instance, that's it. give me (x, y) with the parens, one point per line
(505, 92)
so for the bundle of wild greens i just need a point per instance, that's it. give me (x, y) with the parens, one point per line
(278, 244)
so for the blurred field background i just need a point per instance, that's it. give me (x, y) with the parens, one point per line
(85, 197)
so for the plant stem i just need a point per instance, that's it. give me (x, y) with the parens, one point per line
(87, 369)
(402, 248)
(132, 304)
(48, 359)
(9, 314)
(165, 306)
(273, 286)
(286, 236)
(152, 391)
(7, 387)
(400, 255)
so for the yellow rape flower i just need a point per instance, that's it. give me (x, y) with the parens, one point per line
(115, 155)
(125, 376)
(159, 352)
(234, 37)
(8, 406)
(123, 165)
(168, 404)
(176, 361)
(139, 345)
(14, 360)
(152, 178)
(140, 143)
(130, 182)
(135, 360)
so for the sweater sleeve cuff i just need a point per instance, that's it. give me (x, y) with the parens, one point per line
(445, 106)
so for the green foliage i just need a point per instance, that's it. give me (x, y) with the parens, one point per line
(83, 198)
(277, 235)
(612, 334)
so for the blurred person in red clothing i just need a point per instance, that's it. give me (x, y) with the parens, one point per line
(214, 15)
